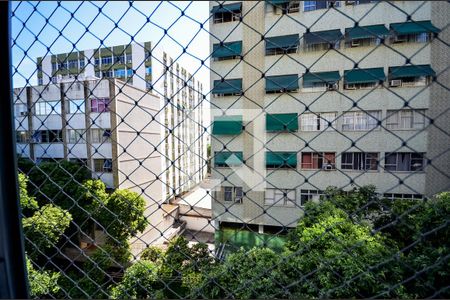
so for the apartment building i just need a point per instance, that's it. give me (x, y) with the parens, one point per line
(311, 94)
(96, 123)
(152, 69)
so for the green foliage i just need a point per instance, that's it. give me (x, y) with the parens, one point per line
(243, 275)
(45, 227)
(152, 253)
(59, 183)
(421, 230)
(343, 259)
(42, 283)
(122, 215)
(42, 230)
(26, 202)
(139, 281)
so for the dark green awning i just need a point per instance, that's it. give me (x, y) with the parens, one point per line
(229, 86)
(228, 158)
(364, 32)
(281, 159)
(227, 8)
(283, 42)
(227, 50)
(278, 2)
(411, 71)
(282, 122)
(322, 37)
(364, 75)
(281, 83)
(326, 77)
(414, 27)
(227, 125)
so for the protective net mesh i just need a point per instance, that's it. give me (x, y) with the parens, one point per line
(256, 149)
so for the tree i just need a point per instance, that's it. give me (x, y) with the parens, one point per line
(334, 257)
(421, 231)
(139, 281)
(244, 274)
(42, 230)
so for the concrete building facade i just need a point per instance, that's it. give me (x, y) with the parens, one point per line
(312, 94)
(180, 98)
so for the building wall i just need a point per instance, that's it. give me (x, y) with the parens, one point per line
(255, 64)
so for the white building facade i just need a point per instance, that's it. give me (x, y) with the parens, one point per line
(180, 99)
(313, 99)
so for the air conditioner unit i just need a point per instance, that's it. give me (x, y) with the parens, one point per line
(355, 43)
(333, 86)
(396, 82)
(350, 2)
(328, 167)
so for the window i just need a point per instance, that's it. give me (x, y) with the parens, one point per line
(129, 58)
(81, 62)
(357, 2)
(40, 81)
(96, 61)
(119, 73)
(227, 16)
(423, 37)
(314, 5)
(359, 161)
(43, 108)
(129, 72)
(75, 136)
(148, 70)
(99, 135)
(107, 60)
(103, 165)
(392, 196)
(54, 67)
(360, 120)
(80, 161)
(308, 195)
(233, 194)
(100, 105)
(20, 110)
(289, 7)
(73, 64)
(108, 73)
(76, 107)
(410, 81)
(22, 136)
(120, 59)
(54, 79)
(405, 119)
(363, 42)
(280, 197)
(404, 161)
(47, 136)
(360, 86)
(317, 122)
(318, 160)
(62, 65)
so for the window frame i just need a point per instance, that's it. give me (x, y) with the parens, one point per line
(361, 120)
(280, 197)
(360, 161)
(318, 159)
(394, 167)
(394, 119)
(106, 102)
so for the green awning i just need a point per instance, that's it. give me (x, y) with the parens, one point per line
(411, 71)
(281, 83)
(226, 8)
(277, 2)
(414, 27)
(229, 86)
(322, 37)
(364, 32)
(228, 158)
(227, 125)
(364, 75)
(227, 50)
(281, 159)
(282, 42)
(282, 122)
(325, 77)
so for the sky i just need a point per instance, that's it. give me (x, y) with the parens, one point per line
(45, 28)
